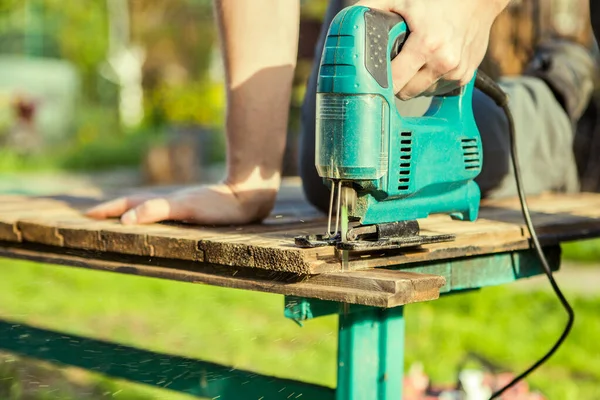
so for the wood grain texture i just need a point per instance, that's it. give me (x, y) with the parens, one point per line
(378, 287)
(269, 246)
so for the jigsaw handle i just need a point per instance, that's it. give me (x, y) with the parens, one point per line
(385, 34)
(383, 28)
(359, 48)
(357, 121)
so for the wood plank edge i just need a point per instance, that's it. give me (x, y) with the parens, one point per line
(10, 233)
(415, 259)
(303, 289)
(36, 232)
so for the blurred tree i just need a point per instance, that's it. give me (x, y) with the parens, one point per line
(173, 44)
(77, 32)
(34, 22)
(47, 32)
(179, 38)
(124, 63)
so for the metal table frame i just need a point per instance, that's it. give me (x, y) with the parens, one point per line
(371, 350)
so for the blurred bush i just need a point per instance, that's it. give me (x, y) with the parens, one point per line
(177, 38)
(198, 103)
(182, 75)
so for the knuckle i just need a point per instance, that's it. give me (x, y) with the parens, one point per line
(405, 95)
(433, 89)
(448, 61)
(149, 205)
(456, 75)
(430, 44)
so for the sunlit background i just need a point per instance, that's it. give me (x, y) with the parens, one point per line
(102, 94)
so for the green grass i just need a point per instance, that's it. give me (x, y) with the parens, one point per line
(247, 330)
(584, 251)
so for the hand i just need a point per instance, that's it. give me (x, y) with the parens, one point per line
(448, 40)
(219, 204)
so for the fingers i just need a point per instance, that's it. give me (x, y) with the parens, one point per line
(117, 207)
(439, 55)
(406, 65)
(445, 85)
(421, 64)
(442, 69)
(142, 209)
(210, 205)
(156, 210)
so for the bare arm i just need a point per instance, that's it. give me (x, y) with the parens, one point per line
(260, 45)
(259, 39)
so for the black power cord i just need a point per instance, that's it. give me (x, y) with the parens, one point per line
(491, 89)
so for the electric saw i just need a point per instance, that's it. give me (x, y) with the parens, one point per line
(386, 171)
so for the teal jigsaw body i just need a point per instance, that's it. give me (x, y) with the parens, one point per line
(402, 168)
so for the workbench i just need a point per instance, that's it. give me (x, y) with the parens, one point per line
(369, 294)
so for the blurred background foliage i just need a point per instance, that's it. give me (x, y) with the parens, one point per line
(181, 77)
(174, 46)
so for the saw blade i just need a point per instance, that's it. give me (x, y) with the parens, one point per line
(392, 244)
(345, 204)
(344, 233)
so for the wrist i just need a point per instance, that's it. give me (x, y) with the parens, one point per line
(255, 191)
(256, 179)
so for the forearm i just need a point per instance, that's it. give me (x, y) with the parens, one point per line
(259, 40)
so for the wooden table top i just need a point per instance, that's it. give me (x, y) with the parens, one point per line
(58, 221)
(53, 229)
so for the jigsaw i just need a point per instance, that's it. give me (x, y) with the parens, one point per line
(386, 171)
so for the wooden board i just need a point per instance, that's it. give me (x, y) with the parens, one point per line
(377, 287)
(58, 222)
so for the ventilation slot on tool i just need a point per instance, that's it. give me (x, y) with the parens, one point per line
(471, 154)
(405, 160)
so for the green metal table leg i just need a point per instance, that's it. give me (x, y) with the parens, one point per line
(371, 355)
(371, 340)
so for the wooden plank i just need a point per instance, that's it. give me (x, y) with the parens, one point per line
(379, 287)
(58, 222)
(78, 234)
(174, 244)
(9, 220)
(15, 209)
